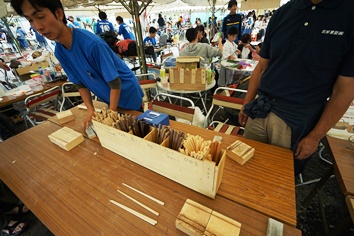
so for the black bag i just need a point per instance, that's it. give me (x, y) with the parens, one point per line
(132, 49)
(111, 39)
(149, 50)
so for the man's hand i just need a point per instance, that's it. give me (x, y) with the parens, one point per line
(88, 120)
(242, 118)
(306, 147)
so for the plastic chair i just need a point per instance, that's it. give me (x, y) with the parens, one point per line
(41, 106)
(178, 111)
(222, 100)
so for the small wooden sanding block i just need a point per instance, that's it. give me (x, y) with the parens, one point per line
(65, 116)
(239, 152)
(196, 219)
(66, 138)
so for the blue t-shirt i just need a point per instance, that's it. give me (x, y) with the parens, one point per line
(125, 30)
(20, 33)
(39, 37)
(91, 62)
(104, 26)
(151, 41)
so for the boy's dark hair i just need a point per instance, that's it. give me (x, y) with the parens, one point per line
(232, 31)
(120, 19)
(102, 15)
(231, 3)
(246, 38)
(191, 34)
(200, 28)
(52, 5)
(152, 30)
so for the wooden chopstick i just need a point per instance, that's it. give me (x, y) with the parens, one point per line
(139, 203)
(145, 195)
(141, 216)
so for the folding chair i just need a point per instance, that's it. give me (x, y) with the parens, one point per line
(42, 106)
(178, 111)
(147, 82)
(223, 100)
(69, 94)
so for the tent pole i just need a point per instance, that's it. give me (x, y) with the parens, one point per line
(6, 23)
(134, 8)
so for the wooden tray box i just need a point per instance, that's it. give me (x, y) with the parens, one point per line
(189, 62)
(188, 79)
(201, 176)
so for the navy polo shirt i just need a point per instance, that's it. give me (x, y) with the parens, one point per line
(308, 46)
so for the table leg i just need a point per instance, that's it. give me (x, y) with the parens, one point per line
(203, 100)
(319, 185)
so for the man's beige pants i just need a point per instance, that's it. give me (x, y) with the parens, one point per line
(271, 130)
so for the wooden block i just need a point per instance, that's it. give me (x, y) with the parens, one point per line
(66, 138)
(240, 152)
(65, 116)
(221, 225)
(196, 219)
(193, 218)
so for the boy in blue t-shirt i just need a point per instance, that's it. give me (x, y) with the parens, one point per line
(151, 41)
(87, 60)
(103, 25)
(124, 29)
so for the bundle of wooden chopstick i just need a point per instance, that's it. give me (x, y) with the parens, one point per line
(163, 132)
(196, 147)
(176, 137)
(114, 119)
(140, 128)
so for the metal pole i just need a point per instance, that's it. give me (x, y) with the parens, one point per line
(4, 19)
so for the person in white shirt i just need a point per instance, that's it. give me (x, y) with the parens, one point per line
(230, 51)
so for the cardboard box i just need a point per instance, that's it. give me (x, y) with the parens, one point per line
(154, 118)
(25, 72)
(188, 79)
(188, 62)
(66, 138)
(201, 176)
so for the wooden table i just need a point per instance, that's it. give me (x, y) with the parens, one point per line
(9, 100)
(265, 183)
(70, 191)
(343, 160)
(343, 167)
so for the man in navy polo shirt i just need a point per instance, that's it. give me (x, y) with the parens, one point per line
(306, 58)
